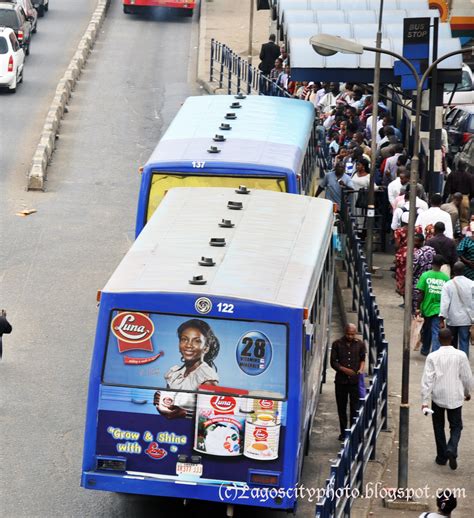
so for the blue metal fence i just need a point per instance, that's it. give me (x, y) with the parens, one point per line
(230, 72)
(346, 480)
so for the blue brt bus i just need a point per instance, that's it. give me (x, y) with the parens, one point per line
(220, 141)
(211, 341)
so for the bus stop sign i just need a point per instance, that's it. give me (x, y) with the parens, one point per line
(416, 48)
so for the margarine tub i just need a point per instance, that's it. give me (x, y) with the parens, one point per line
(261, 410)
(261, 441)
(262, 426)
(220, 425)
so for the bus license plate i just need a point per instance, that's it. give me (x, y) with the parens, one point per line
(186, 468)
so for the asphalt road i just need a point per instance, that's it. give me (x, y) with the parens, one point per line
(22, 114)
(54, 261)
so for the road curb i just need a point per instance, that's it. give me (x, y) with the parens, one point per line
(36, 176)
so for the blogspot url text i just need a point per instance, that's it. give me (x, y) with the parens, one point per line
(235, 492)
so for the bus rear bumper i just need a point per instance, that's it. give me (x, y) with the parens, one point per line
(227, 493)
(160, 3)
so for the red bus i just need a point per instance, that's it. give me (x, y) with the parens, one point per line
(134, 6)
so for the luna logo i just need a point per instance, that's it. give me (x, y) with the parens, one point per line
(223, 404)
(132, 327)
(155, 452)
(267, 404)
(260, 434)
(133, 331)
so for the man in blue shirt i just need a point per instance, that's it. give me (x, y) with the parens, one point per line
(333, 183)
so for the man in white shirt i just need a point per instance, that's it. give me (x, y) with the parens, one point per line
(447, 379)
(403, 210)
(394, 188)
(435, 214)
(457, 308)
(368, 128)
(328, 102)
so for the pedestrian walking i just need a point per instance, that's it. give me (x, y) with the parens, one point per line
(447, 380)
(466, 253)
(444, 246)
(348, 360)
(461, 181)
(428, 304)
(456, 308)
(268, 54)
(5, 328)
(435, 214)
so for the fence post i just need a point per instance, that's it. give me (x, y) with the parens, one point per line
(211, 71)
(249, 78)
(229, 68)
(221, 59)
(239, 70)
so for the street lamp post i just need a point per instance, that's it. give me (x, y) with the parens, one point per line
(373, 148)
(329, 44)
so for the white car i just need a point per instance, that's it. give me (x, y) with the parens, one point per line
(12, 59)
(464, 93)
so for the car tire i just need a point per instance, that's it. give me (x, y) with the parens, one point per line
(46, 7)
(35, 28)
(21, 77)
(127, 9)
(27, 49)
(41, 10)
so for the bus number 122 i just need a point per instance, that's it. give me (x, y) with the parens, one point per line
(225, 308)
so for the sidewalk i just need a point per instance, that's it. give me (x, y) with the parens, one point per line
(227, 21)
(422, 470)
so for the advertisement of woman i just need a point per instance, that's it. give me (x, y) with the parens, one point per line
(199, 348)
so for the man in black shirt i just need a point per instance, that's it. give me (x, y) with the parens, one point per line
(443, 245)
(348, 360)
(460, 181)
(268, 53)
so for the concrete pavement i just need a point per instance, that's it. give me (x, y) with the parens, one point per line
(227, 21)
(422, 470)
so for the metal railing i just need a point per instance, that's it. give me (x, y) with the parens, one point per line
(229, 71)
(346, 479)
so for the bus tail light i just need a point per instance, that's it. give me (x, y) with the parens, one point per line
(99, 294)
(10, 64)
(264, 478)
(111, 463)
(20, 36)
(140, 170)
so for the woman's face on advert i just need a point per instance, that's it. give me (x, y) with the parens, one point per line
(192, 344)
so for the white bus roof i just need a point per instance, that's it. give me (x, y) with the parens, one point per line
(274, 253)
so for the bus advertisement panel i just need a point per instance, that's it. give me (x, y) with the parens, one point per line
(211, 388)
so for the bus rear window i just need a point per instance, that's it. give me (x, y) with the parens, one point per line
(162, 182)
(150, 350)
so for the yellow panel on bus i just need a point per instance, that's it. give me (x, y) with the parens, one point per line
(162, 182)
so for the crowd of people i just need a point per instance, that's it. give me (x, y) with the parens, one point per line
(443, 259)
